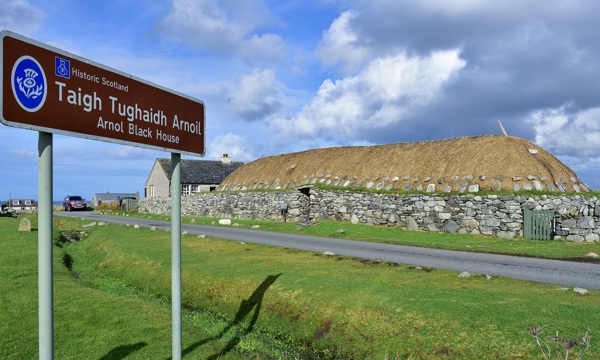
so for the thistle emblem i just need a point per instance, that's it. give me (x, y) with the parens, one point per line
(28, 85)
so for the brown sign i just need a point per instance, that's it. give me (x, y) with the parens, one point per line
(47, 89)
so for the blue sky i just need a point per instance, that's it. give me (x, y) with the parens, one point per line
(284, 76)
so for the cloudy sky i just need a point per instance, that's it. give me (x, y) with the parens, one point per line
(284, 76)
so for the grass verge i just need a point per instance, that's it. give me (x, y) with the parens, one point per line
(253, 301)
(556, 249)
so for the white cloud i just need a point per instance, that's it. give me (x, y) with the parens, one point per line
(340, 45)
(224, 26)
(256, 95)
(20, 16)
(25, 154)
(262, 49)
(239, 148)
(382, 94)
(566, 131)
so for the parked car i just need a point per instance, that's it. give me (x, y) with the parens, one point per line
(74, 202)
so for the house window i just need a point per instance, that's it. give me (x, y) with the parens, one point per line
(27, 202)
(195, 188)
(150, 190)
(15, 202)
(185, 190)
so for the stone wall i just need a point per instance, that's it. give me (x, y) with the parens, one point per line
(577, 216)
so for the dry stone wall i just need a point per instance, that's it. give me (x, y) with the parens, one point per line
(577, 218)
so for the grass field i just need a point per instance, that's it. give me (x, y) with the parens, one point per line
(246, 301)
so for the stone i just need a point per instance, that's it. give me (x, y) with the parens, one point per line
(430, 188)
(432, 228)
(184, 233)
(530, 177)
(225, 222)
(370, 184)
(516, 178)
(380, 186)
(469, 177)
(592, 255)
(586, 222)
(153, 228)
(420, 187)
(256, 226)
(581, 291)
(328, 253)
(448, 188)
(455, 178)
(527, 186)
(516, 187)
(576, 188)
(407, 177)
(395, 178)
(89, 225)
(498, 177)
(444, 216)
(533, 151)
(193, 221)
(464, 274)
(25, 225)
(537, 185)
(463, 186)
(440, 181)
(407, 187)
(592, 237)
(451, 226)
(340, 231)
(411, 224)
(136, 226)
(492, 222)
(474, 188)
(354, 219)
(509, 235)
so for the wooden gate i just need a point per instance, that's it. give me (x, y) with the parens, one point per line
(538, 224)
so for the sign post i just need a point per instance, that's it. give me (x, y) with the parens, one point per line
(51, 91)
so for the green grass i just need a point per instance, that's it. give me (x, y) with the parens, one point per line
(555, 249)
(244, 300)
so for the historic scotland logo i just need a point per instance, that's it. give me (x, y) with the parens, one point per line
(29, 83)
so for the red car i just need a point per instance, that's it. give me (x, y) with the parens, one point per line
(74, 202)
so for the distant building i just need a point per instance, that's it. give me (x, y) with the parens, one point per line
(108, 198)
(20, 205)
(196, 176)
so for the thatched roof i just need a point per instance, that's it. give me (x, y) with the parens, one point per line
(463, 164)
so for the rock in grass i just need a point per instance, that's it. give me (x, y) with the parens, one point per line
(581, 291)
(341, 231)
(329, 253)
(201, 236)
(464, 274)
(25, 225)
(592, 255)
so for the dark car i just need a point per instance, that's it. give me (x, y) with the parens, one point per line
(74, 202)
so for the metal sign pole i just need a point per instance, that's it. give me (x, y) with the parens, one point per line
(176, 253)
(45, 278)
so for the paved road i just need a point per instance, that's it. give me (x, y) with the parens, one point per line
(563, 273)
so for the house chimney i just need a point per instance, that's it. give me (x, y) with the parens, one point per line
(225, 159)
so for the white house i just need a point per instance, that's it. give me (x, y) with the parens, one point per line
(196, 176)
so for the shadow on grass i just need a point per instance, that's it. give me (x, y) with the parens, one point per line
(123, 351)
(246, 307)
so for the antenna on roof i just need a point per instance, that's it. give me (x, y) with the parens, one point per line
(502, 128)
